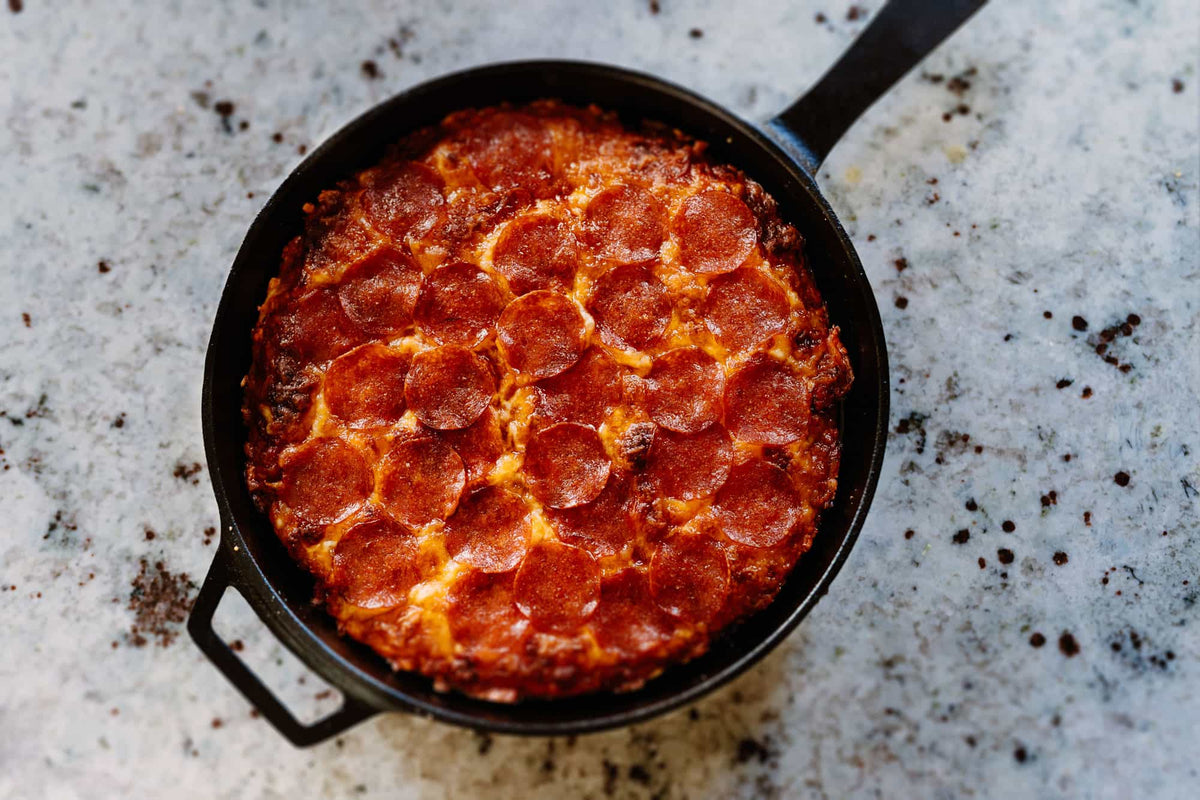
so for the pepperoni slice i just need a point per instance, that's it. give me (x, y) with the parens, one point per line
(684, 390)
(375, 564)
(566, 465)
(766, 402)
(421, 480)
(716, 232)
(324, 480)
(687, 466)
(584, 393)
(603, 527)
(404, 200)
(490, 530)
(757, 506)
(557, 587)
(625, 224)
(745, 308)
(479, 445)
(631, 306)
(459, 304)
(510, 150)
(380, 292)
(317, 329)
(482, 613)
(449, 387)
(689, 576)
(365, 387)
(541, 334)
(627, 618)
(536, 252)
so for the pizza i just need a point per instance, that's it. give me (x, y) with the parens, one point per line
(544, 402)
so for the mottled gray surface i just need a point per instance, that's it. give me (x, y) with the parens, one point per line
(1069, 187)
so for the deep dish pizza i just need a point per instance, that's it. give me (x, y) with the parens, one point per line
(544, 403)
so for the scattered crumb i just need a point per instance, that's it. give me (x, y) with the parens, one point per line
(696, 33)
(370, 70)
(1121, 478)
(104, 267)
(1008, 526)
(28, 320)
(1067, 645)
(962, 536)
(1037, 639)
(1060, 558)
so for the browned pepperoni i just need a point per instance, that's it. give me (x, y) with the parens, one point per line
(479, 445)
(380, 292)
(603, 527)
(536, 252)
(459, 304)
(365, 387)
(690, 465)
(557, 587)
(766, 402)
(689, 576)
(404, 200)
(631, 306)
(745, 308)
(324, 480)
(541, 334)
(317, 329)
(627, 618)
(421, 480)
(584, 393)
(684, 390)
(716, 232)
(510, 150)
(482, 613)
(375, 564)
(449, 387)
(757, 506)
(566, 465)
(490, 530)
(625, 224)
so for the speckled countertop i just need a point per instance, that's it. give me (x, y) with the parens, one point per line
(1019, 618)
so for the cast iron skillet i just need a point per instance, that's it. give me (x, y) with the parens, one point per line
(783, 158)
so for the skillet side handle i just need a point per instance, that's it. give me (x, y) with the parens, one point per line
(898, 38)
(221, 575)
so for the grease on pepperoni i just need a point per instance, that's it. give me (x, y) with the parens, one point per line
(687, 466)
(766, 402)
(557, 587)
(479, 445)
(324, 480)
(585, 393)
(689, 576)
(716, 232)
(379, 293)
(375, 564)
(490, 530)
(404, 200)
(745, 308)
(459, 304)
(624, 223)
(757, 506)
(627, 619)
(449, 387)
(482, 614)
(631, 306)
(566, 465)
(684, 390)
(316, 328)
(536, 252)
(421, 480)
(603, 527)
(511, 150)
(542, 334)
(365, 387)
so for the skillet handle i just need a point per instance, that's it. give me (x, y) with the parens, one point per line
(898, 38)
(222, 575)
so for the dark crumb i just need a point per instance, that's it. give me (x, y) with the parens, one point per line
(970, 740)
(370, 70)
(224, 107)
(947, 117)
(1047, 315)
(1020, 755)
(277, 137)
(28, 320)
(1037, 639)
(1063, 383)
(237, 645)
(119, 422)
(302, 149)
(1008, 526)
(484, 743)
(639, 774)
(972, 505)
(209, 534)
(870, 237)
(188, 472)
(249, 195)
(1061, 558)
(820, 18)
(150, 534)
(655, 7)
(254, 715)
(932, 181)
(693, 714)
(1086, 393)
(1079, 323)
(1121, 478)
(1066, 457)
(104, 267)
(978, 449)
(901, 264)
(1176, 84)
(901, 302)
(982, 563)
(1134, 319)
(855, 13)
(908, 534)
(15, 6)
(1067, 645)
(216, 723)
(610, 777)
(753, 750)
(963, 108)
(962, 536)
(1005, 555)
(696, 33)
(1008, 337)
(933, 198)
(244, 125)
